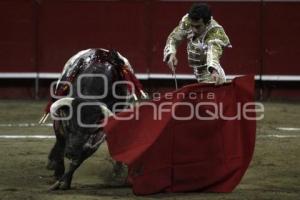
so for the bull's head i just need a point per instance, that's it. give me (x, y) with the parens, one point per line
(80, 121)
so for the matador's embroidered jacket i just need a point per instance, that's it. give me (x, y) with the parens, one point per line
(204, 51)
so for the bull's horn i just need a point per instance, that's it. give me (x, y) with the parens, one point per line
(106, 111)
(59, 103)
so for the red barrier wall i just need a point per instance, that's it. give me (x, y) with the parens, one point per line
(281, 38)
(40, 35)
(69, 26)
(17, 36)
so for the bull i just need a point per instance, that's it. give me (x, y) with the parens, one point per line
(77, 117)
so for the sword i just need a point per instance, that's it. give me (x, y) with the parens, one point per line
(175, 79)
(173, 69)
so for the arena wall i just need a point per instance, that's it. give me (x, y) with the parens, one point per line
(38, 37)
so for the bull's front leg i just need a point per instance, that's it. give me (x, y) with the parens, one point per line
(56, 162)
(56, 155)
(65, 181)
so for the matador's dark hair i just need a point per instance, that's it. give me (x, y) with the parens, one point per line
(200, 11)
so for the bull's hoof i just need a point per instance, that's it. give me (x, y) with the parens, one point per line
(52, 180)
(60, 185)
(55, 186)
(65, 186)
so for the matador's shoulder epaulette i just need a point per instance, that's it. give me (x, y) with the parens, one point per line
(185, 23)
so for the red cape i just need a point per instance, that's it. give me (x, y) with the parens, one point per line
(175, 155)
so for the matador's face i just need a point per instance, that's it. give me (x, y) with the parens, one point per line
(198, 27)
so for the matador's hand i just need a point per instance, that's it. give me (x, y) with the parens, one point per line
(172, 61)
(216, 77)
